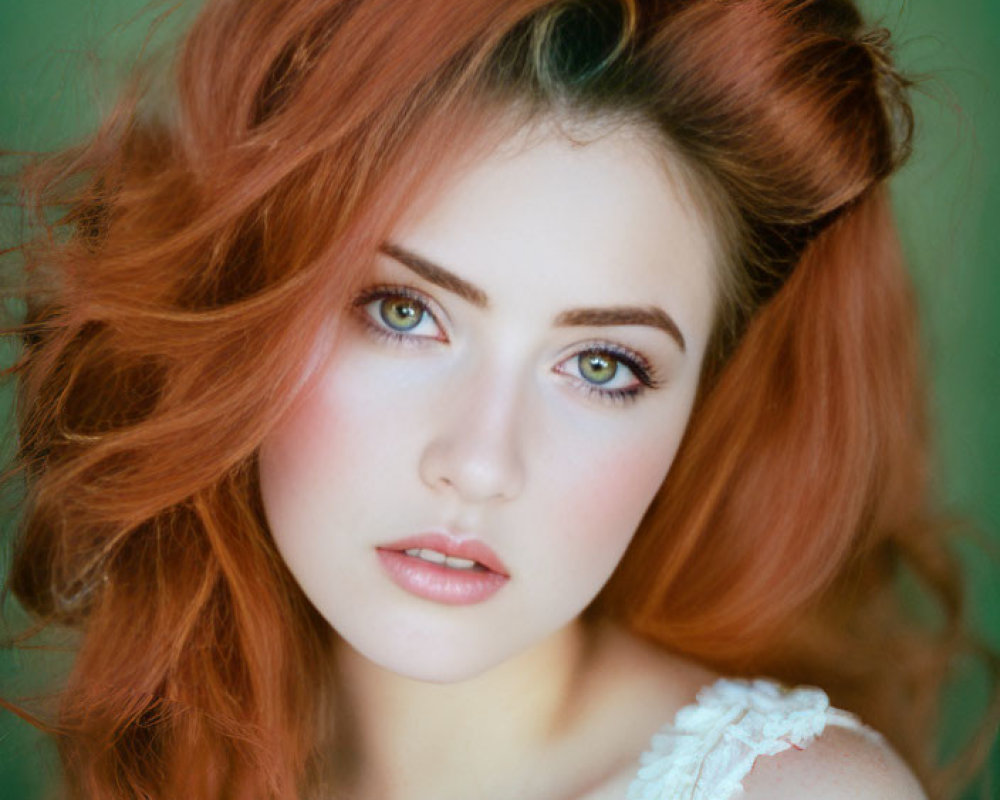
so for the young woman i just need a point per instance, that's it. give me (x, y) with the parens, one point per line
(437, 399)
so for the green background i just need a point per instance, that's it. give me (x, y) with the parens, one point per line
(60, 59)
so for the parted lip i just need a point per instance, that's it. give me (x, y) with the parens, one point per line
(451, 546)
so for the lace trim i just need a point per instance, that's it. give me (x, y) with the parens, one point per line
(713, 743)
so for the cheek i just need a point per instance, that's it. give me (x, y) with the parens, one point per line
(327, 435)
(617, 494)
(290, 459)
(294, 456)
(326, 469)
(305, 462)
(632, 476)
(596, 505)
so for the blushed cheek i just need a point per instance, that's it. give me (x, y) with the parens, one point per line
(301, 459)
(306, 467)
(609, 500)
(333, 441)
(296, 448)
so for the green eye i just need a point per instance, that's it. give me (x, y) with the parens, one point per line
(597, 367)
(401, 313)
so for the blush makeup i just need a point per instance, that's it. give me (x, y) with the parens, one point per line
(439, 568)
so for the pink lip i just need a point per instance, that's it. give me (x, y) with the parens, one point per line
(438, 582)
(450, 546)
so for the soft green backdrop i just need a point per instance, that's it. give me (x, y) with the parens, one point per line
(948, 201)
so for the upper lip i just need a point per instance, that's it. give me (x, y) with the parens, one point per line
(451, 545)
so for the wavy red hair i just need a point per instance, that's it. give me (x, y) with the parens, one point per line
(204, 247)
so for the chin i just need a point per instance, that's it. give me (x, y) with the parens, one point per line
(429, 651)
(429, 664)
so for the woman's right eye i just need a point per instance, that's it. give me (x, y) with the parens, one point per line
(399, 313)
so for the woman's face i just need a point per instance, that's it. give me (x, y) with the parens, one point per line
(509, 393)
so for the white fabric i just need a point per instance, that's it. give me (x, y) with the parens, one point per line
(712, 744)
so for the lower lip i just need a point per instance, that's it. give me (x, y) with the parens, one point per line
(439, 583)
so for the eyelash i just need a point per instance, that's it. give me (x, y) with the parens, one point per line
(384, 292)
(634, 362)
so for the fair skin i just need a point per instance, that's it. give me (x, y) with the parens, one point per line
(519, 374)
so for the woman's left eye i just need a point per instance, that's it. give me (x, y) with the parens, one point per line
(399, 314)
(609, 372)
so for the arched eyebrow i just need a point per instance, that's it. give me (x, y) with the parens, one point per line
(437, 274)
(652, 316)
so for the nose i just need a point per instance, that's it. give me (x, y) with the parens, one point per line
(474, 448)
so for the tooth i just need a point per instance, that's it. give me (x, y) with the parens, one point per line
(413, 551)
(433, 556)
(459, 563)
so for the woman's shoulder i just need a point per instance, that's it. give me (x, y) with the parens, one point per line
(757, 739)
(838, 764)
(684, 731)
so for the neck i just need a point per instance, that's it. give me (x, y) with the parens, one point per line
(419, 739)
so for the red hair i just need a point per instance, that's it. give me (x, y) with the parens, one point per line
(204, 247)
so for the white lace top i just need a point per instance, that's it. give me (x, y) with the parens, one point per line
(712, 744)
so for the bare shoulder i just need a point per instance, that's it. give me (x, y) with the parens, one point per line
(841, 764)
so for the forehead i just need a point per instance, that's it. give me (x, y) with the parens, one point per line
(548, 218)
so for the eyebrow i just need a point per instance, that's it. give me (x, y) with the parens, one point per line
(652, 316)
(436, 274)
